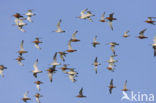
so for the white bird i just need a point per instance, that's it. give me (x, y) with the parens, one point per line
(29, 15)
(21, 51)
(112, 60)
(72, 74)
(111, 67)
(55, 63)
(59, 30)
(20, 24)
(125, 35)
(70, 49)
(36, 70)
(37, 95)
(125, 96)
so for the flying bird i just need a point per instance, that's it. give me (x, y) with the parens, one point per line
(141, 34)
(103, 18)
(125, 87)
(80, 95)
(111, 67)
(74, 39)
(29, 15)
(125, 35)
(51, 71)
(37, 42)
(38, 84)
(62, 55)
(2, 67)
(55, 60)
(96, 63)
(150, 21)
(64, 68)
(59, 30)
(94, 43)
(154, 45)
(17, 15)
(19, 60)
(21, 51)
(20, 24)
(70, 50)
(37, 96)
(110, 20)
(72, 74)
(36, 70)
(26, 98)
(111, 86)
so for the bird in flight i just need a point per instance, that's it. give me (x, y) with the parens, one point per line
(125, 35)
(51, 71)
(70, 49)
(62, 55)
(36, 70)
(37, 42)
(80, 95)
(72, 74)
(2, 67)
(141, 34)
(125, 87)
(74, 39)
(96, 64)
(111, 86)
(110, 20)
(37, 96)
(59, 30)
(26, 98)
(29, 15)
(103, 18)
(19, 60)
(38, 84)
(94, 43)
(150, 21)
(55, 60)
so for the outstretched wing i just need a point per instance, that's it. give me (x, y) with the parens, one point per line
(74, 35)
(81, 91)
(35, 65)
(69, 45)
(58, 24)
(154, 40)
(21, 46)
(26, 94)
(83, 11)
(142, 31)
(110, 24)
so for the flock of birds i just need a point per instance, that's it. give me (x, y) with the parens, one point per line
(72, 74)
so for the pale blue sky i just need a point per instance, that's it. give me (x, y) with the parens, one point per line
(136, 62)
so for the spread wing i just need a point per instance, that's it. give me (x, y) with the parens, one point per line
(111, 83)
(154, 40)
(54, 58)
(110, 24)
(35, 65)
(142, 31)
(81, 91)
(83, 11)
(50, 76)
(125, 84)
(94, 39)
(69, 45)
(74, 35)
(95, 61)
(58, 24)
(26, 94)
(103, 16)
(21, 46)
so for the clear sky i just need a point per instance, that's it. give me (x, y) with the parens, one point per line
(136, 62)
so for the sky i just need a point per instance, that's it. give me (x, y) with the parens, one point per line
(136, 62)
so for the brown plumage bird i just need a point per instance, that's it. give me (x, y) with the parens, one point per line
(62, 55)
(110, 20)
(141, 34)
(150, 21)
(125, 87)
(37, 42)
(111, 86)
(51, 71)
(94, 43)
(38, 84)
(80, 95)
(26, 98)
(70, 49)
(18, 15)
(21, 51)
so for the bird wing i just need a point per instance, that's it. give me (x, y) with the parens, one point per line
(35, 65)
(38, 86)
(81, 91)
(95, 61)
(142, 31)
(74, 35)
(58, 24)
(110, 90)
(103, 16)
(94, 39)
(26, 94)
(90, 19)
(50, 76)
(21, 46)
(83, 11)
(54, 58)
(69, 45)
(110, 24)
(125, 84)
(111, 83)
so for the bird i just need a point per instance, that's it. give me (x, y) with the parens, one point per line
(125, 96)
(17, 15)
(70, 50)
(113, 44)
(72, 74)
(19, 60)
(51, 70)
(59, 30)
(38, 84)
(94, 43)
(2, 67)
(111, 86)
(55, 60)
(96, 63)
(26, 98)
(21, 51)
(111, 67)
(85, 14)
(62, 55)
(36, 70)
(103, 18)
(29, 14)
(125, 87)
(112, 60)
(19, 22)
(37, 42)
(80, 95)
(110, 20)
(141, 34)
(64, 68)
(150, 21)
(125, 35)
(37, 96)
(154, 45)
(74, 39)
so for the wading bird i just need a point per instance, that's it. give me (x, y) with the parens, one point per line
(74, 39)
(37, 42)
(38, 84)
(59, 30)
(2, 67)
(55, 60)
(150, 21)
(70, 50)
(141, 34)
(110, 20)
(154, 45)
(96, 64)
(51, 71)
(94, 43)
(29, 15)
